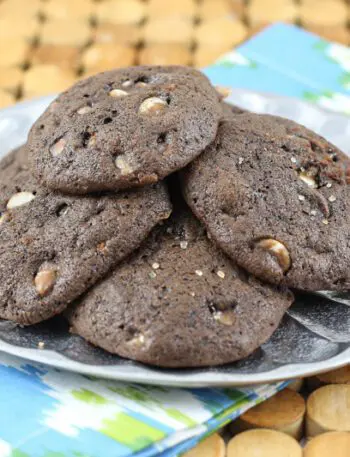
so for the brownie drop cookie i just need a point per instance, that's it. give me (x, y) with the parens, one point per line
(124, 128)
(179, 302)
(276, 198)
(53, 247)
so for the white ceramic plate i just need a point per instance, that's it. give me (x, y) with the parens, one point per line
(313, 337)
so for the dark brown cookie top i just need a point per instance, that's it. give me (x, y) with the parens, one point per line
(124, 128)
(53, 247)
(179, 302)
(275, 197)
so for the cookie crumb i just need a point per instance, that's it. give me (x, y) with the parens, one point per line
(192, 294)
(41, 345)
(329, 185)
(301, 198)
(155, 266)
(332, 198)
(240, 160)
(293, 160)
(313, 212)
(152, 275)
(199, 272)
(221, 274)
(183, 244)
(325, 222)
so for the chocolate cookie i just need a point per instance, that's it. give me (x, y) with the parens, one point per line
(230, 110)
(53, 246)
(276, 198)
(124, 128)
(179, 302)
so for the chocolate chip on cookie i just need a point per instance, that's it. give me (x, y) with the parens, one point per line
(124, 128)
(276, 198)
(179, 302)
(53, 247)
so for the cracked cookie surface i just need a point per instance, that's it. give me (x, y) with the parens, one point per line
(179, 301)
(276, 198)
(53, 247)
(124, 128)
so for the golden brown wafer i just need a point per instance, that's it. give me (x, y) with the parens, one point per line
(214, 446)
(121, 11)
(212, 9)
(206, 55)
(19, 27)
(66, 33)
(283, 412)
(64, 56)
(165, 54)
(332, 33)
(324, 13)
(332, 444)
(328, 409)
(340, 376)
(6, 99)
(180, 8)
(10, 78)
(69, 9)
(267, 11)
(13, 51)
(263, 443)
(46, 79)
(223, 31)
(104, 56)
(296, 385)
(169, 30)
(117, 33)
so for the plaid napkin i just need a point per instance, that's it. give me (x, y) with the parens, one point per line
(46, 412)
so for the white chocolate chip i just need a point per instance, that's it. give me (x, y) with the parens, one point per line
(226, 318)
(325, 221)
(44, 281)
(301, 198)
(123, 165)
(92, 140)
(293, 160)
(19, 199)
(57, 148)
(118, 93)
(84, 109)
(141, 84)
(41, 345)
(127, 83)
(152, 105)
(221, 274)
(329, 185)
(223, 92)
(138, 340)
(307, 179)
(332, 198)
(183, 244)
(155, 266)
(277, 249)
(199, 272)
(240, 160)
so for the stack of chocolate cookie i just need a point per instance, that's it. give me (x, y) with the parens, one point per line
(168, 267)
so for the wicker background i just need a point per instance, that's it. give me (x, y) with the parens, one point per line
(45, 45)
